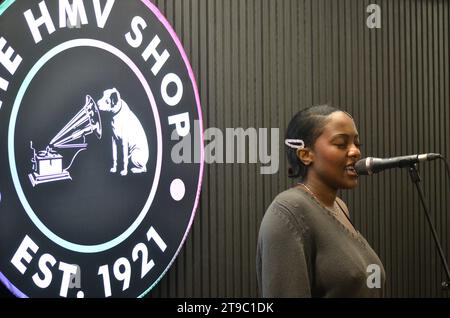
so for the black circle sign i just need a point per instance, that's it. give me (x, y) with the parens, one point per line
(94, 97)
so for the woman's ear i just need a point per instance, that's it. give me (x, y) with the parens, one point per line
(305, 155)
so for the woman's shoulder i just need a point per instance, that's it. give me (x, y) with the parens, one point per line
(286, 215)
(293, 198)
(291, 204)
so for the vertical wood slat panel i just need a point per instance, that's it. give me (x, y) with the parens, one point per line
(259, 62)
(399, 133)
(252, 109)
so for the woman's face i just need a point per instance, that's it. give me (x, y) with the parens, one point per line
(335, 152)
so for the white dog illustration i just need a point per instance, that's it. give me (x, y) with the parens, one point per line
(127, 130)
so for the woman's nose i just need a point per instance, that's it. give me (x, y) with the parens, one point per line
(354, 152)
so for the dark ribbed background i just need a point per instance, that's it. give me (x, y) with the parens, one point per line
(257, 62)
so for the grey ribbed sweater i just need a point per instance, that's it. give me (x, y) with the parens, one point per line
(304, 251)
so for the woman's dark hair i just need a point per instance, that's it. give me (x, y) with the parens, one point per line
(306, 125)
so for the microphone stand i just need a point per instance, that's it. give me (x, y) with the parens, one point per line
(415, 177)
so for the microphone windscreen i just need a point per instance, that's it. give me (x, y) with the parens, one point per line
(361, 167)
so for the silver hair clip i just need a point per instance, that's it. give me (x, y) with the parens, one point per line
(295, 143)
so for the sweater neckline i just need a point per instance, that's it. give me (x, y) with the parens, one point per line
(357, 236)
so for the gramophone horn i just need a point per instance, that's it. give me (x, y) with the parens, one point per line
(85, 122)
(94, 116)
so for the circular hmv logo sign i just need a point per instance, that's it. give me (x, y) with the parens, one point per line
(94, 94)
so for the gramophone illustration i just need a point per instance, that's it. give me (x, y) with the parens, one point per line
(48, 163)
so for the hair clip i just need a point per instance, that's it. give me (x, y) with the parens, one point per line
(295, 143)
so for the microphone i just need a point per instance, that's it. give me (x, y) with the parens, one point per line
(370, 165)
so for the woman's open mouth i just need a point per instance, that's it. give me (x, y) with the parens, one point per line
(350, 170)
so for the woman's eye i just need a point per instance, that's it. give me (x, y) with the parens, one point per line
(341, 146)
